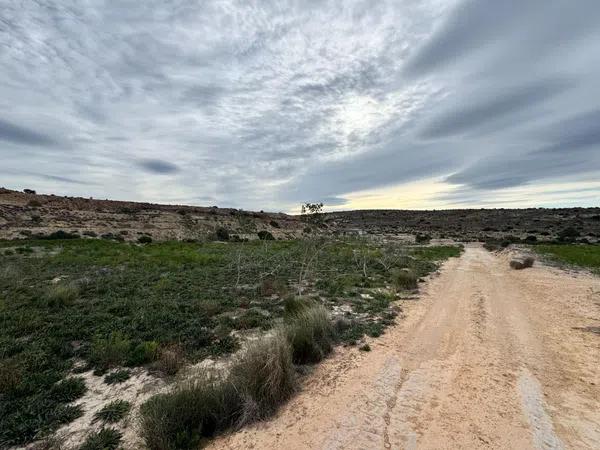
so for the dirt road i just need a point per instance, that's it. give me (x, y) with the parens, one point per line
(488, 358)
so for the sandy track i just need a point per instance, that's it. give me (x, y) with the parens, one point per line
(488, 358)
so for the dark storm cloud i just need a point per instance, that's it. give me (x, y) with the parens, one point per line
(503, 103)
(266, 104)
(24, 136)
(158, 166)
(581, 133)
(475, 26)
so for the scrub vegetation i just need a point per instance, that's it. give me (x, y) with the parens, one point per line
(71, 305)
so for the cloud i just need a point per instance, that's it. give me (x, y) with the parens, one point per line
(503, 103)
(24, 136)
(263, 105)
(158, 166)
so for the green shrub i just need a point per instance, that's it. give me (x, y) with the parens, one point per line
(253, 318)
(113, 412)
(170, 359)
(143, 353)
(105, 439)
(404, 279)
(274, 224)
(490, 246)
(68, 390)
(365, 348)
(311, 334)
(294, 304)
(258, 382)
(10, 376)
(271, 285)
(117, 377)
(568, 234)
(34, 203)
(196, 408)
(422, 238)
(265, 376)
(265, 235)
(222, 234)
(110, 351)
(144, 239)
(62, 294)
(60, 234)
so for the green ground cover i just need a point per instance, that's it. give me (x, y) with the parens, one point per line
(108, 304)
(578, 255)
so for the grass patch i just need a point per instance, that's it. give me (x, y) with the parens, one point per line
(405, 279)
(105, 439)
(68, 390)
(311, 334)
(587, 256)
(162, 305)
(117, 377)
(265, 375)
(113, 412)
(60, 295)
(258, 383)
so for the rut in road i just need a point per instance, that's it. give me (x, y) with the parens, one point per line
(488, 357)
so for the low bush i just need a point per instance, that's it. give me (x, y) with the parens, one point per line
(105, 439)
(144, 239)
(170, 359)
(274, 224)
(222, 234)
(110, 351)
(60, 234)
(62, 294)
(253, 318)
(117, 377)
(568, 234)
(113, 412)
(143, 353)
(271, 285)
(265, 235)
(259, 381)
(68, 390)
(422, 238)
(404, 279)
(34, 203)
(490, 246)
(311, 334)
(265, 376)
(294, 304)
(196, 408)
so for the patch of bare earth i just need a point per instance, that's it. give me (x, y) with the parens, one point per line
(489, 357)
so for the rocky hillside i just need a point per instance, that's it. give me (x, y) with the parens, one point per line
(25, 214)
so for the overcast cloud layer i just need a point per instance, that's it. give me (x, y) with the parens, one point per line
(264, 104)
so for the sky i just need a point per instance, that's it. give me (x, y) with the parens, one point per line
(418, 104)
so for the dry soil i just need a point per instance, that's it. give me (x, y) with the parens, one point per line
(488, 357)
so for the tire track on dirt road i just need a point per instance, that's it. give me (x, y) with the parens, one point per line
(487, 358)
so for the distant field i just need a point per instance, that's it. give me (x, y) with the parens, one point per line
(578, 255)
(68, 306)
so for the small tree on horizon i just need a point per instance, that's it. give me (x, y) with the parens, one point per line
(312, 212)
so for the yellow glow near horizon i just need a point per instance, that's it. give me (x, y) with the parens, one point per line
(426, 194)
